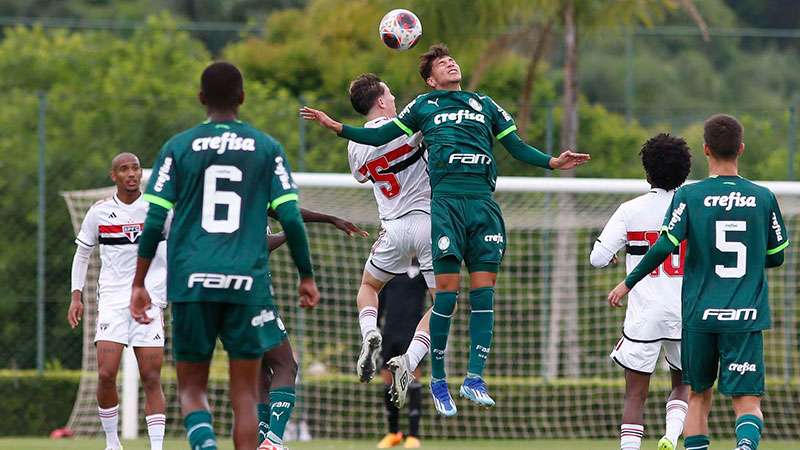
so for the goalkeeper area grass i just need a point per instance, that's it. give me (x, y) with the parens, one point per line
(225, 444)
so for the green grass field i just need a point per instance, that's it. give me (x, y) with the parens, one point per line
(141, 444)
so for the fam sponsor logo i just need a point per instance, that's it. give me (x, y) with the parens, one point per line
(497, 238)
(742, 368)
(163, 174)
(470, 158)
(262, 318)
(221, 281)
(676, 216)
(458, 117)
(228, 141)
(777, 228)
(730, 201)
(731, 314)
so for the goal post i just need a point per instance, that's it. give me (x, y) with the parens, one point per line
(548, 369)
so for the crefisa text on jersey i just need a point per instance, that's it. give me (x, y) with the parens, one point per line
(228, 141)
(734, 199)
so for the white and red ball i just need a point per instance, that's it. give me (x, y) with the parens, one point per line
(400, 29)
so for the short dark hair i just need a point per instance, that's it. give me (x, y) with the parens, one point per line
(435, 52)
(667, 160)
(222, 85)
(365, 91)
(723, 134)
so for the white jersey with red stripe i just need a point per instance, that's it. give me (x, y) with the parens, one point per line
(654, 305)
(116, 226)
(398, 171)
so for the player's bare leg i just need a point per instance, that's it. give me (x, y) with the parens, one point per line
(402, 368)
(109, 355)
(696, 428)
(677, 407)
(632, 429)
(192, 390)
(749, 421)
(280, 394)
(150, 360)
(481, 325)
(244, 376)
(367, 300)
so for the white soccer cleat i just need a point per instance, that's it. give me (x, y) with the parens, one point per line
(401, 379)
(368, 359)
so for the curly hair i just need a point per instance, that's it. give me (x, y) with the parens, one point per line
(667, 160)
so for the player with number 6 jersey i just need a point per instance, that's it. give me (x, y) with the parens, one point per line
(734, 231)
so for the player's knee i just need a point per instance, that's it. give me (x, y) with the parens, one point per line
(445, 303)
(482, 299)
(151, 379)
(106, 377)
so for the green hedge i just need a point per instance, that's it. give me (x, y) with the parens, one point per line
(34, 405)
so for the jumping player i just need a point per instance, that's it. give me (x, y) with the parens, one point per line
(734, 231)
(115, 224)
(220, 178)
(459, 129)
(653, 317)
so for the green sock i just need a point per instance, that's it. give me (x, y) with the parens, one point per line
(199, 431)
(281, 404)
(443, 308)
(748, 431)
(481, 322)
(263, 421)
(696, 442)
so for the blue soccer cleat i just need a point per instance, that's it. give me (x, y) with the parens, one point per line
(441, 398)
(474, 389)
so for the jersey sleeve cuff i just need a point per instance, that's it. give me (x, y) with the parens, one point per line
(778, 248)
(164, 203)
(402, 126)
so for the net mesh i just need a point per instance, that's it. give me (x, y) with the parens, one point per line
(549, 368)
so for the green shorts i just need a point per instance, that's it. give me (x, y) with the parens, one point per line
(468, 229)
(246, 331)
(736, 358)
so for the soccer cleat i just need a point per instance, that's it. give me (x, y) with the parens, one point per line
(391, 440)
(412, 442)
(474, 389)
(269, 445)
(666, 444)
(368, 359)
(441, 398)
(401, 379)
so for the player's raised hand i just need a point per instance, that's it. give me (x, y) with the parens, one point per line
(569, 160)
(323, 119)
(140, 303)
(617, 294)
(309, 294)
(75, 312)
(349, 228)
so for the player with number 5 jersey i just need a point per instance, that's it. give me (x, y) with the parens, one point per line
(734, 231)
(220, 178)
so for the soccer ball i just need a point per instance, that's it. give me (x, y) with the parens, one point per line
(400, 29)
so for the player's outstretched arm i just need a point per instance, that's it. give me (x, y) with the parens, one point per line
(370, 136)
(292, 223)
(531, 155)
(652, 259)
(310, 216)
(152, 233)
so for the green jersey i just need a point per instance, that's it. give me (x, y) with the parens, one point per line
(220, 177)
(731, 225)
(459, 129)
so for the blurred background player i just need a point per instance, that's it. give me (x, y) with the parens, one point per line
(115, 224)
(734, 230)
(221, 177)
(653, 316)
(459, 128)
(400, 183)
(402, 306)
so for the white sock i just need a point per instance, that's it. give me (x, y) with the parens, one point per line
(109, 418)
(676, 414)
(630, 436)
(419, 347)
(368, 319)
(156, 423)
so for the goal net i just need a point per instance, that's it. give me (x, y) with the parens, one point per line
(549, 368)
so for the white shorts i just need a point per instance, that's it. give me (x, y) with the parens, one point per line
(643, 356)
(117, 325)
(399, 241)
